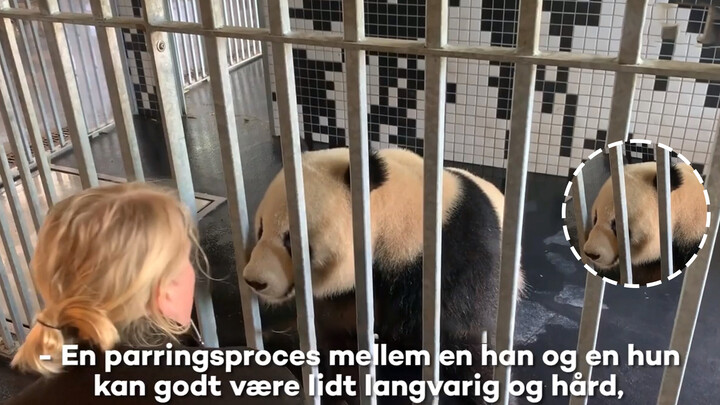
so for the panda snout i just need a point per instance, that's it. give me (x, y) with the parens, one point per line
(256, 285)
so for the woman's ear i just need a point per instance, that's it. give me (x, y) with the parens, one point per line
(175, 296)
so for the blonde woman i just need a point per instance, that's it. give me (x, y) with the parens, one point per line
(114, 266)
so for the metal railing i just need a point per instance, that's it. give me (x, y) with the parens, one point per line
(190, 48)
(219, 37)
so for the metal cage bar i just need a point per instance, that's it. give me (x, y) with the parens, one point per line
(692, 291)
(619, 125)
(12, 306)
(434, 152)
(5, 336)
(211, 14)
(594, 289)
(118, 93)
(617, 174)
(518, 152)
(279, 19)
(200, 42)
(84, 36)
(174, 130)
(17, 144)
(69, 93)
(24, 37)
(16, 267)
(663, 192)
(705, 71)
(356, 77)
(7, 112)
(8, 42)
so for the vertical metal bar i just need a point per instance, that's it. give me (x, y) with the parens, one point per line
(518, 152)
(14, 200)
(90, 110)
(27, 55)
(620, 200)
(125, 67)
(8, 42)
(292, 166)
(356, 76)
(164, 66)
(234, 23)
(619, 125)
(216, 51)
(11, 303)
(69, 94)
(193, 39)
(594, 290)
(435, 90)
(21, 282)
(245, 24)
(184, 41)
(248, 4)
(93, 58)
(663, 192)
(46, 80)
(117, 91)
(5, 336)
(692, 292)
(227, 22)
(201, 44)
(262, 23)
(175, 42)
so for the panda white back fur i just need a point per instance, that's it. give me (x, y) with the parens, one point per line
(471, 237)
(688, 215)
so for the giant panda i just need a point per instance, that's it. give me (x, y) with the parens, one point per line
(472, 212)
(688, 215)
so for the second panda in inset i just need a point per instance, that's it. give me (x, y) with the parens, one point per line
(688, 215)
(472, 212)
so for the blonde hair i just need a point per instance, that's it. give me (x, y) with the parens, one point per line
(101, 255)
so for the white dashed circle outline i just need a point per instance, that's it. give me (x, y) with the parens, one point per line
(615, 145)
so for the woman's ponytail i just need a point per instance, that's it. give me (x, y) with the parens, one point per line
(88, 322)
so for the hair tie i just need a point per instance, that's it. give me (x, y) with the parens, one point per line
(47, 326)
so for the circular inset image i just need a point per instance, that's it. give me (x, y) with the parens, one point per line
(659, 183)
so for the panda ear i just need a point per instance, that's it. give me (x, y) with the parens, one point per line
(676, 179)
(378, 171)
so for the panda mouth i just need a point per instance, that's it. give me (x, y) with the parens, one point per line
(290, 292)
(278, 298)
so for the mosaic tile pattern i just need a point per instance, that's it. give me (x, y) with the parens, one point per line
(139, 62)
(572, 106)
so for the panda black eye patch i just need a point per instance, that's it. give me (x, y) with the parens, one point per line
(286, 243)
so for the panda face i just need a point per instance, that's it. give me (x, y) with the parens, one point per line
(270, 270)
(601, 246)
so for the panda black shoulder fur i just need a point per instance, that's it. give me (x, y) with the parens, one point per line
(688, 213)
(472, 214)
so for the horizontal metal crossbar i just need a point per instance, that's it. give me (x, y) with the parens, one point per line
(490, 53)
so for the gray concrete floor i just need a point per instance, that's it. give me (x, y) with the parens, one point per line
(547, 319)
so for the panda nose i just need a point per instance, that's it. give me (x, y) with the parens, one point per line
(591, 255)
(256, 285)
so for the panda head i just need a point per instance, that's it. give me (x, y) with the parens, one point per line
(601, 246)
(326, 175)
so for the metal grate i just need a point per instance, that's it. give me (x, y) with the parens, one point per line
(525, 54)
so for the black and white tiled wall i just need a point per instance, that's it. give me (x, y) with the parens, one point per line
(572, 105)
(139, 62)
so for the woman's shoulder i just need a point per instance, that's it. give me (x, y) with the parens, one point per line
(151, 375)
